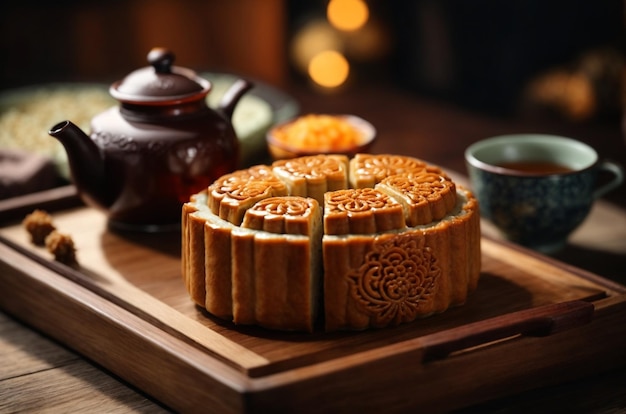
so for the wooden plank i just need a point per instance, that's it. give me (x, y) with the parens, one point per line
(139, 303)
(126, 307)
(19, 360)
(397, 382)
(39, 375)
(136, 350)
(141, 272)
(58, 198)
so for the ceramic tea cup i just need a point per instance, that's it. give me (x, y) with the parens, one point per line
(536, 189)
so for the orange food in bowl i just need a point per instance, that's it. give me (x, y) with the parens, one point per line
(324, 132)
(317, 133)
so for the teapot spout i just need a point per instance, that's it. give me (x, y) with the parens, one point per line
(85, 161)
(232, 96)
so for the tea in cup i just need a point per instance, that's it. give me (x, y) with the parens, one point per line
(536, 189)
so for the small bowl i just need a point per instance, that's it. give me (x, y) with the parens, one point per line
(293, 147)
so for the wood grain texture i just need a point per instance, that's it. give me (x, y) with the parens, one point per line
(69, 384)
(126, 307)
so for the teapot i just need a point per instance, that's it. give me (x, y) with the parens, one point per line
(145, 157)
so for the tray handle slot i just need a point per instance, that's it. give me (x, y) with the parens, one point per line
(540, 321)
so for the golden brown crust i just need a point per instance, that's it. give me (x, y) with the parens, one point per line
(231, 195)
(282, 215)
(314, 175)
(426, 196)
(361, 211)
(473, 246)
(367, 170)
(217, 269)
(340, 255)
(403, 250)
(185, 265)
(274, 281)
(194, 248)
(243, 279)
(394, 278)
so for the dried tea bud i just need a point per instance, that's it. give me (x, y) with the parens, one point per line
(62, 247)
(39, 226)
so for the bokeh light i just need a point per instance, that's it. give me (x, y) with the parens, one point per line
(325, 49)
(329, 69)
(347, 14)
(368, 43)
(315, 37)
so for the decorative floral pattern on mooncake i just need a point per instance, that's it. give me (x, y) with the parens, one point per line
(366, 169)
(426, 196)
(313, 167)
(357, 200)
(230, 195)
(398, 277)
(314, 175)
(282, 215)
(361, 211)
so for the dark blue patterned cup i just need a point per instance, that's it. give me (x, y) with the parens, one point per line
(536, 189)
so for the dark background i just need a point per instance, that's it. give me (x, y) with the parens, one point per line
(479, 54)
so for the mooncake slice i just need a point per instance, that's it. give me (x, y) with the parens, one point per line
(277, 276)
(231, 195)
(399, 277)
(314, 175)
(366, 170)
(285, 215)
(361, 211)
(206, 257)
(426, 196)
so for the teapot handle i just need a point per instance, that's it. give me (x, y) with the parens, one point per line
(231, 97)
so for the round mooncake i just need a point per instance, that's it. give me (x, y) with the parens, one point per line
(368, 242)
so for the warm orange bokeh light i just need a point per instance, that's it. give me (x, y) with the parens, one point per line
(329, 69)
(315, 37)
(347, 14)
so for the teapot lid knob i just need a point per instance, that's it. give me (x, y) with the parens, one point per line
(161, 83)
(161, 59)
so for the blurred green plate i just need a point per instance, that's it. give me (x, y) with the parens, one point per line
(257, 110)
(26, 114)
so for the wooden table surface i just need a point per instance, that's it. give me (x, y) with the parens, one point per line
(38, 374)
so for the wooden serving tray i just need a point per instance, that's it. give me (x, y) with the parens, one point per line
(531, 322)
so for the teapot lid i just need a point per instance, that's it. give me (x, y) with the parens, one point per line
(161, 83)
